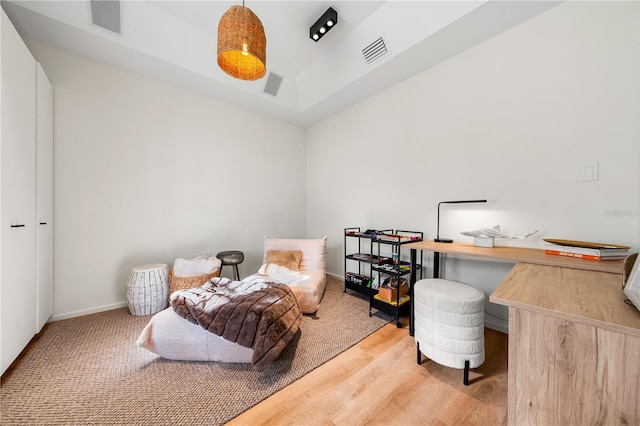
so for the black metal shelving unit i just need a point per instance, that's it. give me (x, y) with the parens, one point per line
(371, 264)
(360, 281)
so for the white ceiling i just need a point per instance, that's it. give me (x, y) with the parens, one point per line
(176, 41)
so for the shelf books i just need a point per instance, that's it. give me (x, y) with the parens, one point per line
(399, 238)
(586, 250)
(365, 257)
(360, 256)
(357, 279)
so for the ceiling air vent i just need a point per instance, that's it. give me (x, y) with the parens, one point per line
(374, 51)
(273, 84)
(106, 14)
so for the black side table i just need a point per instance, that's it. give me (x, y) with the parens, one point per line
(231, 258)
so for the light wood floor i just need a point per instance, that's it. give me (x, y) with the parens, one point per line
(378, 382)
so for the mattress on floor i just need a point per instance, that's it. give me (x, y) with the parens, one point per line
(172, 337)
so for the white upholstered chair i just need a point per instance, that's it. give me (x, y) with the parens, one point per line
(309, 292)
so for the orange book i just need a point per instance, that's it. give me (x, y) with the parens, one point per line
(581, 256)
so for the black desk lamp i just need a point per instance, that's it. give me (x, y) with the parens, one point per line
(447, 240)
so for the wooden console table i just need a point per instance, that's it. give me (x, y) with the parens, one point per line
(573, 342)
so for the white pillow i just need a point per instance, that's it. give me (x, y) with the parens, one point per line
(195, 267)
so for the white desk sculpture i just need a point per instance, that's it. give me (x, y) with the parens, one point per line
(483, 237)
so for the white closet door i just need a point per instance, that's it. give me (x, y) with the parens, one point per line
(17, 194)
(44, 197)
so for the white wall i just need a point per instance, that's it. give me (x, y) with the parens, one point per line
(510, 120)
(146, 172)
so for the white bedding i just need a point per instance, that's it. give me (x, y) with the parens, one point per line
(273, 272)
(172, 337)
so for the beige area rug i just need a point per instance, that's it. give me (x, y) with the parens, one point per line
(88, 371)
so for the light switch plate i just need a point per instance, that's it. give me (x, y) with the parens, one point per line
(589, 172)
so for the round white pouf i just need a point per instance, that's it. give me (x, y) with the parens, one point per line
(147, 289)
(449, 322)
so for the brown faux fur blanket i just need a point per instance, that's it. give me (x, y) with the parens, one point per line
(255, 314)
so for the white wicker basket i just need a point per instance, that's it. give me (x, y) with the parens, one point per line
(147, 289)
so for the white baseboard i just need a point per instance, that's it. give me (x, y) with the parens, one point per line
(336, 276)
(87, 312)
(495, 323)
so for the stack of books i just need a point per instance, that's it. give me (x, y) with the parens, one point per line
(399, 238)
(586, 250)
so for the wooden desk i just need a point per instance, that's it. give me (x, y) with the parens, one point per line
(573, 342)
(573, 347)
(518, 254)
(509, 254)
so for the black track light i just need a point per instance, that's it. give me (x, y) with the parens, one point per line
(328, 20)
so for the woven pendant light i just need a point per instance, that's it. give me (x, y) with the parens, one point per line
(242, 45)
